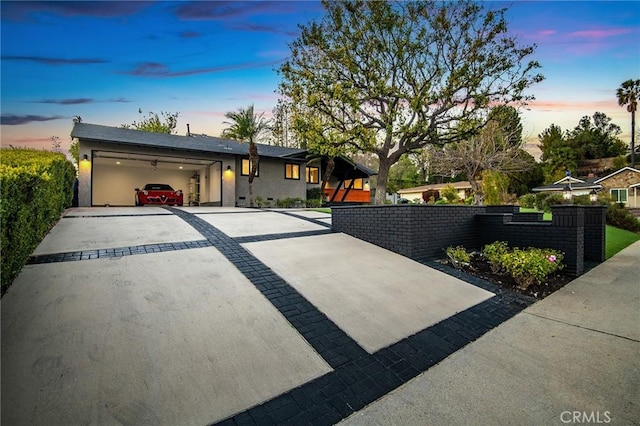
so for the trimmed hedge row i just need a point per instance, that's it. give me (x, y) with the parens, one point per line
(36, 186)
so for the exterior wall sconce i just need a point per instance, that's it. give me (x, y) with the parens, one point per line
(593, 196)
(566, 193)
(85, 158)
(229, 168)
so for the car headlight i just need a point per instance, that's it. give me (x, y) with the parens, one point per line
(145, 193)
(179, 192)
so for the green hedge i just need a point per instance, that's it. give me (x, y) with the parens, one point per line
(36, 186)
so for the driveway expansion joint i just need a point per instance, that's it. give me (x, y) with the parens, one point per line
(358, 378)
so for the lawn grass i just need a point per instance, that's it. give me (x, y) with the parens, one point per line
(322, 210)
(545, 215)
(617, 239)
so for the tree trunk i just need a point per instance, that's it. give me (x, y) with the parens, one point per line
(477, 192)
(331, 165)
(381, 181)
(633, 137)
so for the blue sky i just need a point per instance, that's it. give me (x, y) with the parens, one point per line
(105, 60)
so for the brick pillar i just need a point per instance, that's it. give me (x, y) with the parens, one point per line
(568, 235)
(595, 218)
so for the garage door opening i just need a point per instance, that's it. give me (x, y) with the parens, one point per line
(115, 175)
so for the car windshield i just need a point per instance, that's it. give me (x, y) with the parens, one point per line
(158, 187)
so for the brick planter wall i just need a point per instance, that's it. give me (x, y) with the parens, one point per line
(424, 231)
(418, 231)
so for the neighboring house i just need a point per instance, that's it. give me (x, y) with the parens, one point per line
(209, 170)
(577, 186)
(411, 194)
(349, 182)
(623, 186)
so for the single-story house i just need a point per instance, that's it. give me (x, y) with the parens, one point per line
(412, 194)
(209, 170)
(623, 186)
(577, 186)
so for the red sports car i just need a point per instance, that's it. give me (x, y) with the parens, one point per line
(158, 193)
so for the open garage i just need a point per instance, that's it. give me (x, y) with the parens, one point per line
(115, 176)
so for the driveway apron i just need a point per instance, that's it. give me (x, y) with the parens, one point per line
(205, 315)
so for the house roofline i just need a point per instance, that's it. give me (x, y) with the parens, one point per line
(616, 172)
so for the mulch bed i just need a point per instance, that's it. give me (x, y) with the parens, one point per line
(480, 268)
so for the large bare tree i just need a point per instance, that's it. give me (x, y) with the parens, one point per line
(394, 77)
(496, 147)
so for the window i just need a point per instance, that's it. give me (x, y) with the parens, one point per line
(245, 168)
(357, 183)
(313, 174)
(619, 195)
(292, 171)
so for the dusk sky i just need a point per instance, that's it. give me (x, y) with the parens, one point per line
(105, 60)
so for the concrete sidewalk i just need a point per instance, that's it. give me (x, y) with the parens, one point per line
(573, 357)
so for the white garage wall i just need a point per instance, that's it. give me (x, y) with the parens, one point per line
(215, 176)
(114, 185)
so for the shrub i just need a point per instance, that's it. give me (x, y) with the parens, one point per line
(493, 253)
(314, 203)
(290, 202)
(314, 193)
(528, 201)
(620, 217)
(259, 202)
(36, 187)
(532, 265)
(540, 196)
(458, 256)
(450, 194)
(550, 200)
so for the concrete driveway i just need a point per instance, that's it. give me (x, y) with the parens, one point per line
(201, 315)
(192, 315)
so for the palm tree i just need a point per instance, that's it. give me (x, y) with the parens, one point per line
(628, 94)
(246, 126)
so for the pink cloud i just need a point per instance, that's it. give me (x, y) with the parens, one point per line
(547, 32)
(570, 105)
(612, 32)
